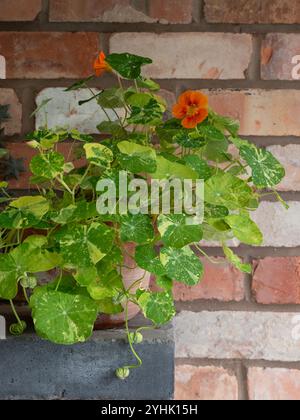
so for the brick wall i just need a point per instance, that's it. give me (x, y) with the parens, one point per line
(234, 332)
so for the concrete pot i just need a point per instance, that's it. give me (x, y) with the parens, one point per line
(33, 369)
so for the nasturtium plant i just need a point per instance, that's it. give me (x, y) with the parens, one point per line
(59, 227)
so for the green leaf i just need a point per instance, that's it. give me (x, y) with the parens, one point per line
(84, 246)
(158, 307)
(111, 98)
(64, 318)
(28, 257)
(244, 229)
(137, 158)
(108, 306)
(176, 232)
(24, 212)
(147, 84)
(139, 99)
(98, 154)
(225, 123)
(85, 138)
(8, 277)
(75, 213)
(167, 169)
(216, 149)
(215, 212)
(266, 170)
(107, 286)
(227, 190)
(236, 261)
(199, 165)
(33, 256)
(147, 258)
(164, 282)
(210, 133)
(168, 130)
(48, 165)
(127, 65)
(182, 265)
(149, 114)
(111, 127)
(190, 139)
(38, 206)
(3, 152)
(136, 228)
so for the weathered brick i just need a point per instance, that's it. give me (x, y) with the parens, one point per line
(205, 383)
(14, 124)
(277, 280)
(18, 10)
(24, 152)
(63, 110)
(96, 11)
(280, 227)
(214, 57)
(260, 112)
(48, 55)
(171, 11)
(252, 11)
(278, 52)
(238, 335)
(221, 282)
(273, 384)
(122, 11)
(289, 156)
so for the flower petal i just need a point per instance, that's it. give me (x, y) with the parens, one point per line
(179, 111)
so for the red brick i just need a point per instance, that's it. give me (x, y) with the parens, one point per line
(22, 151)
(221, 282)
(260, 112)
(45, 55)
(205, 383)
(274, 384)
(171, 11)
(19, 10)
(14, 124)
(252, 11)
(278, 51)
(95, 11)
(277, 280)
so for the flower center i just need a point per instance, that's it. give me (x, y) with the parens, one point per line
(192, 110)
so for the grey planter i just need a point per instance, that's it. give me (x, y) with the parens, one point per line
(31, 368)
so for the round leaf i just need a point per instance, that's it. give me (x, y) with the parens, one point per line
(146, 258)
(158, 307)
(48, 165)
(176, 232)
(244, 229)
(182, 265)
(266, 170)
(227, 190)
(127, 65)
(64, 318)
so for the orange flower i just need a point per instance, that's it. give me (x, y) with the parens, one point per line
(100, 65)
(191, 108)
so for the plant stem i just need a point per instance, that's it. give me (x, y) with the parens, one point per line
(212, 260)
(130, 342)
(25, 295)
(15, 312)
